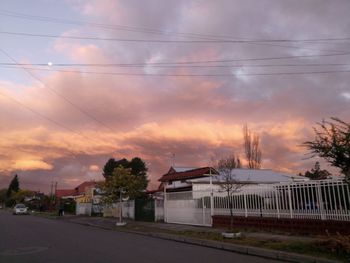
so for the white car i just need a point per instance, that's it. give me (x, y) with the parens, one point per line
(20, 209)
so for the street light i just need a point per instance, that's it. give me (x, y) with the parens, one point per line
(120, 223)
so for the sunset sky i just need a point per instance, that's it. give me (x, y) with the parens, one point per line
(85, 80)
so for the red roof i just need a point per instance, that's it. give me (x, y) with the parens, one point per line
(64, 192)
(172, 175)
(79, 190)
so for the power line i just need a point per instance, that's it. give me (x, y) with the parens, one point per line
(143, 29)
(191, 75)
(169, 63)
(165, 40)
(152, 30)
(5, 64)
(42, 115)
(57, 93)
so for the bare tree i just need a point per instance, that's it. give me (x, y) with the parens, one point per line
(252, 148)
(227, 179)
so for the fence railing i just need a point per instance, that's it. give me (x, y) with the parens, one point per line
(323, 200)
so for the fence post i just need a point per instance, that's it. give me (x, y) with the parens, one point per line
(277, 204)
(165, 206)
(320, 200)
(290, 202)
(203, 210)
(245, 204)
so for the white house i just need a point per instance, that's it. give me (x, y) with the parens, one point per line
(248, 178)
(177, 178)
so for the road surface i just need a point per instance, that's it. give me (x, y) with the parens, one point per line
(35, 239)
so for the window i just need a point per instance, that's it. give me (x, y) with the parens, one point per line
(170, 182)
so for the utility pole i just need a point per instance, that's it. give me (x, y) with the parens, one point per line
(51, 188)
(54, 197)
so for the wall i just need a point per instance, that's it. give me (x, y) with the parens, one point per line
(302, 226)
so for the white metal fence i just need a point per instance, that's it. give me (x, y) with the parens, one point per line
(323, 200)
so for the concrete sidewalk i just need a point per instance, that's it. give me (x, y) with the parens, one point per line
(169, 232)
(109, 223)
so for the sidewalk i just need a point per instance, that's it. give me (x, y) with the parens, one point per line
(109, 223)
(253, 243)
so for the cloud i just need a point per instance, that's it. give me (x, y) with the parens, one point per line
(194, 117)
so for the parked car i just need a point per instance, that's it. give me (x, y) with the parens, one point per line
(20, 209)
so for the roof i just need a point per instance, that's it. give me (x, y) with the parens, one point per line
(79, 190)
(254, 176)
(191, 173)
(183, 169)
(65, 192)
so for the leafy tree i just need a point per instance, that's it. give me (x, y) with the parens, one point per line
(3, 193)
(109, 167)
(122, 181)
(20, 195)
(228, 181)
(136, 165)
(332, 142)
(316, 173)
(13, 187)
(252, 148)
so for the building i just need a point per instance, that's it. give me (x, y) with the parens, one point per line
(82, 190)
(176, 179)
(247, 178)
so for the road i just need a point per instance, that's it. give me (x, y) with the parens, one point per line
(35, 239)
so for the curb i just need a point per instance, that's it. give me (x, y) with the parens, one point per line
(247, 250)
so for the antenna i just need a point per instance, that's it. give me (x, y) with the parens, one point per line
(173, 157)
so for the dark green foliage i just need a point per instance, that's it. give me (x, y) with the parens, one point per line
(109, 167)
(13, 187)
(3, 193)
(136, 165)
(123, 182)
(316, 173)
(332, 142)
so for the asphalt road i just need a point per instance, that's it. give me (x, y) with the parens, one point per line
(35, 239)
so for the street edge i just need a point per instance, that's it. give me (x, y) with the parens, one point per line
(247, 250)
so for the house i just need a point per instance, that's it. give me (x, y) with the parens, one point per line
(248, 178)
(176, 179)
(82, 190)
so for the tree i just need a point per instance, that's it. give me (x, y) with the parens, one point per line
(332, 142)
(109, 167)
(13, 187)
(20, 195)
(122, 181)
(3, 194)
(227, 179)
(316, 173)
(136, 165)
(252, 148)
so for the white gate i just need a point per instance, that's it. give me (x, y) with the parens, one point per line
(83, 209)
(182, 208)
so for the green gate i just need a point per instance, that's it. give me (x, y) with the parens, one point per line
(144, 210)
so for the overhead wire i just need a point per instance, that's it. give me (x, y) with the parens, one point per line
(163, 40)
(146, 30)
(80, 109)
(190, 75)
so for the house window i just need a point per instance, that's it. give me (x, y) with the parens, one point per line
(170, 182)
(183, 181)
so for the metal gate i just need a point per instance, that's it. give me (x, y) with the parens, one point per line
(184, 208)
(144, 210)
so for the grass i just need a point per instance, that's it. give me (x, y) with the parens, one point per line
(311, 248)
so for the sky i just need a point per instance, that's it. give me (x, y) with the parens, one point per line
(82, 81)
